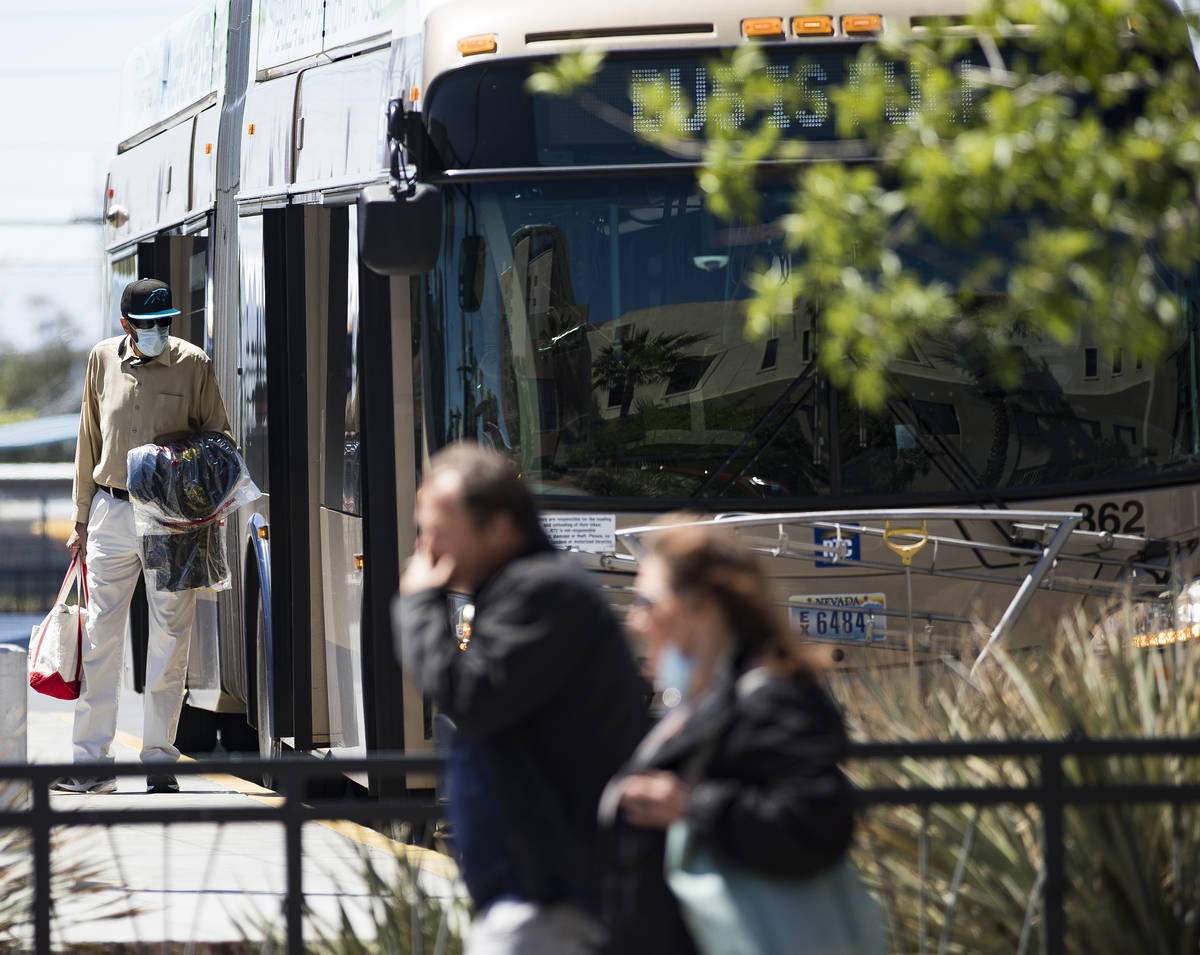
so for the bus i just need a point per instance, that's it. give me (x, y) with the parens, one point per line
(387, 244)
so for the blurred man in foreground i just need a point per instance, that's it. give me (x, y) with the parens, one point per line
(546, 697)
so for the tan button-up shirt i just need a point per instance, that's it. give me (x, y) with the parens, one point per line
(129, 401)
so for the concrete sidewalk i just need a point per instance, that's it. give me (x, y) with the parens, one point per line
(198, 883)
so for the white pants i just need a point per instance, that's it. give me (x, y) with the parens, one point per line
(114, 560)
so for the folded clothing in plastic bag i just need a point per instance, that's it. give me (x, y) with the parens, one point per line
(187, 482)
(193, 560)
(180, 491)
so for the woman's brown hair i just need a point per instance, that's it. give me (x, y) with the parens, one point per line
(710, 561)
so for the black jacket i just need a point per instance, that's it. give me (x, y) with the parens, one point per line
(548, 702)
(761, 753)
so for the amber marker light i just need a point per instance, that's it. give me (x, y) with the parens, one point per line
(812, 26)
(862, 23)
(472, 45)
(358, 562)
(414, 94)
(208, 149)
(262, 534)
(763, 27)
(250, 130)
(1165, 638)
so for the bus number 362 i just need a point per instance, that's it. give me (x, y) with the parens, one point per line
(1108, 517)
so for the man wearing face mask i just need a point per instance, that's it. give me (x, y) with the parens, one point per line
(139, 387)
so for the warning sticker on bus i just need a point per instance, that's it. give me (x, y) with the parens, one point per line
(837, 616)
(590, 533)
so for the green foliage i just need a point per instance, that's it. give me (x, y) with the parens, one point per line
(403, 917)
(75, 884)
(1133, 870)
(35, 381)
(567, 74)
(1075, 135)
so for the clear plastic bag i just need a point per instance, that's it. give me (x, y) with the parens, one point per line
(181, 491)
(190, 560)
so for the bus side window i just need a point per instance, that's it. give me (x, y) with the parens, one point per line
(343, 482)
(195, 328)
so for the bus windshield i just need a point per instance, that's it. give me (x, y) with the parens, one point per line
(592, 328)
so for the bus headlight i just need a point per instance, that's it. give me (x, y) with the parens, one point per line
(1185, 625)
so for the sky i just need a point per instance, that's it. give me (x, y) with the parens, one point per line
(59, 94)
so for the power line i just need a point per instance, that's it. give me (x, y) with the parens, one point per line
(52, 14)
(50, 145)
(49, 263)
(51, 223)
(25, 71)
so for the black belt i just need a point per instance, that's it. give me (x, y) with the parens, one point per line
(116, 492)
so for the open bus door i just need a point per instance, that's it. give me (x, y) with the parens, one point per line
(332, 475)
(184, 263)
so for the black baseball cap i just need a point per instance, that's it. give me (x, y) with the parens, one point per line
(147, 298)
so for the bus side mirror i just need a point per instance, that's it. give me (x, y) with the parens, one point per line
(399, 233)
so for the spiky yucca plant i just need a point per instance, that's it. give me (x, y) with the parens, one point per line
(74, 881)
(957, 878)
(403, 917)
(406, 919)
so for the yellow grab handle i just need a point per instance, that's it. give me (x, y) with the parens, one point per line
(905, 552)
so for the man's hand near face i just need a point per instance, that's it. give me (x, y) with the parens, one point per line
(424, 572)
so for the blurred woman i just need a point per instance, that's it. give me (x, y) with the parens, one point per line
(748, 754)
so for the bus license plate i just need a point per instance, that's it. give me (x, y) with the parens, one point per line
(837, 616)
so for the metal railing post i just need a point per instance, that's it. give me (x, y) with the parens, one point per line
(14, 794)
(294, 903)
(42, 902)
(1052, 852)
(14, 672)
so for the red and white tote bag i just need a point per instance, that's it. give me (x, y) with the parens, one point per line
(56, 644)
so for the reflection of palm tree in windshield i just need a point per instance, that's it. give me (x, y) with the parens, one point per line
(640, 359)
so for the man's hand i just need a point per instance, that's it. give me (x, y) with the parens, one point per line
(654, 800)
(423, 572)
(77, 542)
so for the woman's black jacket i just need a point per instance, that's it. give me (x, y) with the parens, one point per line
(761, 752)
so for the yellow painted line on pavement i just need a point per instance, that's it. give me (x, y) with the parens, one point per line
(428, 860)
(436, 863)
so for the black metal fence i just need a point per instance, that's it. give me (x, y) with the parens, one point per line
(292, 777)
(1051, 794)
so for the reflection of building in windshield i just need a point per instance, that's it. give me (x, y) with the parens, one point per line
(599, 338)
(719, 417)
(544, 354)
(1070, 417)
(680, 387)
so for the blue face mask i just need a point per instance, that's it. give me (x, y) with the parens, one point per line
(151, 341)
(674, 675)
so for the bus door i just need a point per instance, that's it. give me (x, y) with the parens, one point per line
(337, 337)
(184, 263)
(352, 399)
(326, 375)
(276, 352)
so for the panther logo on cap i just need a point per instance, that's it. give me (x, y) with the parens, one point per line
(160, 296)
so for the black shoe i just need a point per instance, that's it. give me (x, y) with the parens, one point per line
(162, 784)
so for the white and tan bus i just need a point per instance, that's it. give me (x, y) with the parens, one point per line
(538, 278)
